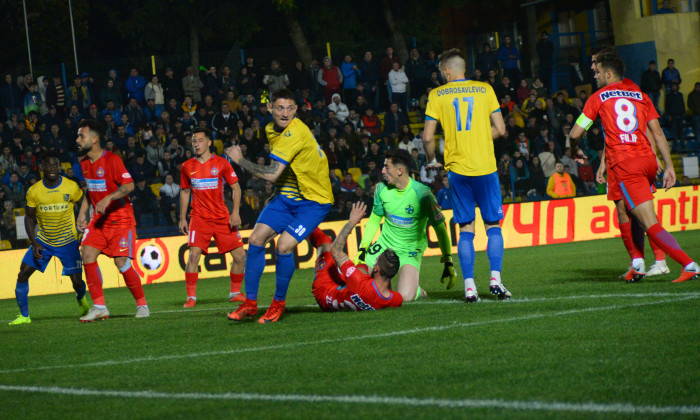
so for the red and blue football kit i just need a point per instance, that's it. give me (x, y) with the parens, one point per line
(210, 217)
(348, 289)
(631, 162)
(114, 232)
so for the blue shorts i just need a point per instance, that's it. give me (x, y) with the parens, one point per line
(467, 192)
(69, 254)
(298, 218)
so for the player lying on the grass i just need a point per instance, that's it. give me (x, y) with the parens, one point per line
(630, 229)
(304, 197)
(203, 177)
(352, 287)
(406, 206)
(50, 204)
(626, 113)
(112, 228)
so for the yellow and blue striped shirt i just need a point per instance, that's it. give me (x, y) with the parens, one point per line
(306, 175)
(54, 211)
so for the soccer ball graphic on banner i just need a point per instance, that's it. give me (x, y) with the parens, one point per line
(151, 257)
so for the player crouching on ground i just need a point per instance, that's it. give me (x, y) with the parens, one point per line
(203, 177)
(352, 287)
(50, 205)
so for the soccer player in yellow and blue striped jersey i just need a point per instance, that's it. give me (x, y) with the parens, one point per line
(50, 225)
(471, 118)
(304, 197)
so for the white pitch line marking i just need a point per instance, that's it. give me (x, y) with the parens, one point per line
(352, 338)
(556, 406)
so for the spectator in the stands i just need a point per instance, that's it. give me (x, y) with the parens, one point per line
(509, 57)
(369, 78)
(561, 185)
(142, 169)
(651, 83)
(665, 8)
(670, 75)
(675, 111)
(486, 60)
(393, 120)
(192, 85)
(399, 84)
(350, 72)
(417, 73)
(170, 199)
(694, 107)
(144, 202)
(330, 78)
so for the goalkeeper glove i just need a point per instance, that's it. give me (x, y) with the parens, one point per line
(360, 257)
(449, 272)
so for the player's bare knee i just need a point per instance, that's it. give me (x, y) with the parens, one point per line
(120, 261)
(238, 255)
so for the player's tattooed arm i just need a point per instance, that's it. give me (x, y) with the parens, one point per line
(267, 172)
(358, 211)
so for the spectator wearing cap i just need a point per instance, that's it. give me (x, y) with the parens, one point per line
(111, 93)
(331, 78)
(275, 78)
(172, 89)
(135, 86)
(79, 95)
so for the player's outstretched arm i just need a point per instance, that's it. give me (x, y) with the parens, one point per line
(30, 227)
(235, 218)
(662, 145)
(429, 141)
(267, 172)
(358, 211)
(184, 203)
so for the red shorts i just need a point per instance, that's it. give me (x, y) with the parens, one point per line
(326, 282)
(613, 187)
(111, 240)
(201, 231)
(633, 181)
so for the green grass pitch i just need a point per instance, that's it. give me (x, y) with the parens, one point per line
(574, 342)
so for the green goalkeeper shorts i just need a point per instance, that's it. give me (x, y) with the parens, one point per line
(413, 257)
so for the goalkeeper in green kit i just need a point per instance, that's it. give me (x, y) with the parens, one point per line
(406, 206)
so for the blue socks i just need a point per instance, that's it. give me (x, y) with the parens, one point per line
(285, 269)
(466, 253)
(494, 248)
(80, 290)
(254, 266)
(22, 295)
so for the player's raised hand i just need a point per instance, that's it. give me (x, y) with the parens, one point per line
(37, 250)
(669, 178)
(183, 227)
(448, 273)
(600, 175)
(101, 207)
(234, 220)
(358, 212)
(234, 152)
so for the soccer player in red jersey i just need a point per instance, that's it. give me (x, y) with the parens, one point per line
(626, 114)
(630, 230)
(112, 229)
(352, 287)
(203, 177)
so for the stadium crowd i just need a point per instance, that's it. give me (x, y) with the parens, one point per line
(356, 110)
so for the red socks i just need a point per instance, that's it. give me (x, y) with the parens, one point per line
(236, 282)
(191, 284)
(668, 244)
(133, 282)
(93, 277)
(318, 238)
(659, 254)
(628, 240)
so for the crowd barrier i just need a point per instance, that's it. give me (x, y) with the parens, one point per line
(160, 260)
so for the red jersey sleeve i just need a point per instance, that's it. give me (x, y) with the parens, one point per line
(184, 177)
(229, 174)
(590, 110)
(119, 172)
(353, 277)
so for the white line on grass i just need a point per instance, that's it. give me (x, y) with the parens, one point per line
(588, 407)
(351, 338)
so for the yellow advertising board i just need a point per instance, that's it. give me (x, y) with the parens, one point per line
(162, 260)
